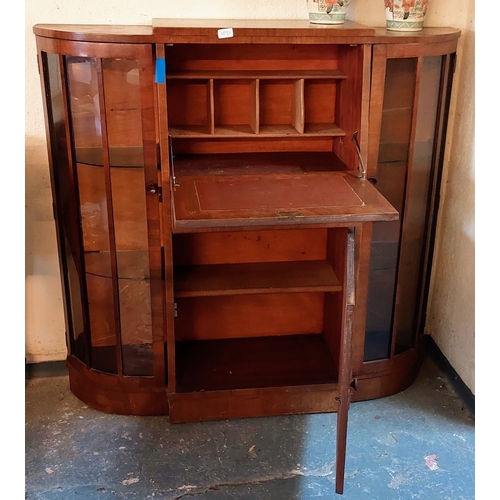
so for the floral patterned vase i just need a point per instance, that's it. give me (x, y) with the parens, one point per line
(327, 11)
(405, 15)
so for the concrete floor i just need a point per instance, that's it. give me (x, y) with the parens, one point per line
(417, 444)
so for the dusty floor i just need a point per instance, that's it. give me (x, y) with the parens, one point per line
(419, 444)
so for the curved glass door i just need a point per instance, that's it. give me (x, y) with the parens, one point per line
(414, 91)
(101, 173)
(105, 113)
(65, 204)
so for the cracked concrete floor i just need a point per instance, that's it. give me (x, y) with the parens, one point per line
(417, 444)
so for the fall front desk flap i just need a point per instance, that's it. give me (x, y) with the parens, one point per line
(319, 199)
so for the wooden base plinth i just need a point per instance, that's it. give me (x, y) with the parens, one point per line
(108, 393)
(244, 403)
(139, 395)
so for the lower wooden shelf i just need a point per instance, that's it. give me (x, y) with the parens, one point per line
(137, 359)
(258, 277)
(260, 362)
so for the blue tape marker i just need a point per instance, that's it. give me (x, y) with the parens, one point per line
(160, 70)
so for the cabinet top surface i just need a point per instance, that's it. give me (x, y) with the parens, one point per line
(244, 31)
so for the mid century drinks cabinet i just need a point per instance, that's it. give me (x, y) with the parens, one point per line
(244, 217)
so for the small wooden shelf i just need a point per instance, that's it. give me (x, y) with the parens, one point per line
(279, 130)
(229, 364)
(119, 156)
(137, 358)
(253, 278)
(131, 264)
(328, 129)
(190, 131)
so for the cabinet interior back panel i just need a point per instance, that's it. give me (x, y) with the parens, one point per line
(249, 246)
(233, 102)
(242, 316)
(182, 57)
(188, 102)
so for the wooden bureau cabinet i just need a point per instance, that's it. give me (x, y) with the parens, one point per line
(245, 224)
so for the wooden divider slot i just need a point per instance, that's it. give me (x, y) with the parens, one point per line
(190, 107)
(241, 105)
(234, 107)
(319, 107)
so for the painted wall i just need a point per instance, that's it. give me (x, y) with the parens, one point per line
(451, 311)
(451, 314)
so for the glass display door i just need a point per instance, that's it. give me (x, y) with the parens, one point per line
(100, 105)
(410, 93)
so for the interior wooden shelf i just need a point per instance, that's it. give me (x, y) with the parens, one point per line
(131, 264)
(119, 156)
(329, 129)
(137, 358)
(252, 278)
(242, 363)
(257, 74)
(233, 130)
(280, 130)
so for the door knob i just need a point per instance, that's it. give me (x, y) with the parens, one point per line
(152, 188)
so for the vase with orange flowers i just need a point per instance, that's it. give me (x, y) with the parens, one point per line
(405, 15)
(327, 11)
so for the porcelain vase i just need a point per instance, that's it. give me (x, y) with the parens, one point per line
(405, 15)
(327, 11)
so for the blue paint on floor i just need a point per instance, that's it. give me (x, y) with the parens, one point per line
(73, 451)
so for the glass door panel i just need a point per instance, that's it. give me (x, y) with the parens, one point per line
(417, 208)
(83, 89)
(391, 182)
(106, 118)
(124, 133)
(85, 116)
(68, 211)
(404, 173)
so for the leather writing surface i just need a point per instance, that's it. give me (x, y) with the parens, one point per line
(327, 198)
(280, 194)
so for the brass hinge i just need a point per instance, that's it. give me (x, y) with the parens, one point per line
(289, 214)
(175, 309)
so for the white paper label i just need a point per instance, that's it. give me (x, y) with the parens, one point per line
(225, 33)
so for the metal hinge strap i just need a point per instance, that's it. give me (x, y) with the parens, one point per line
(361, 166)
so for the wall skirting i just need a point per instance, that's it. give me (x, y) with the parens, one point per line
(457, 383)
